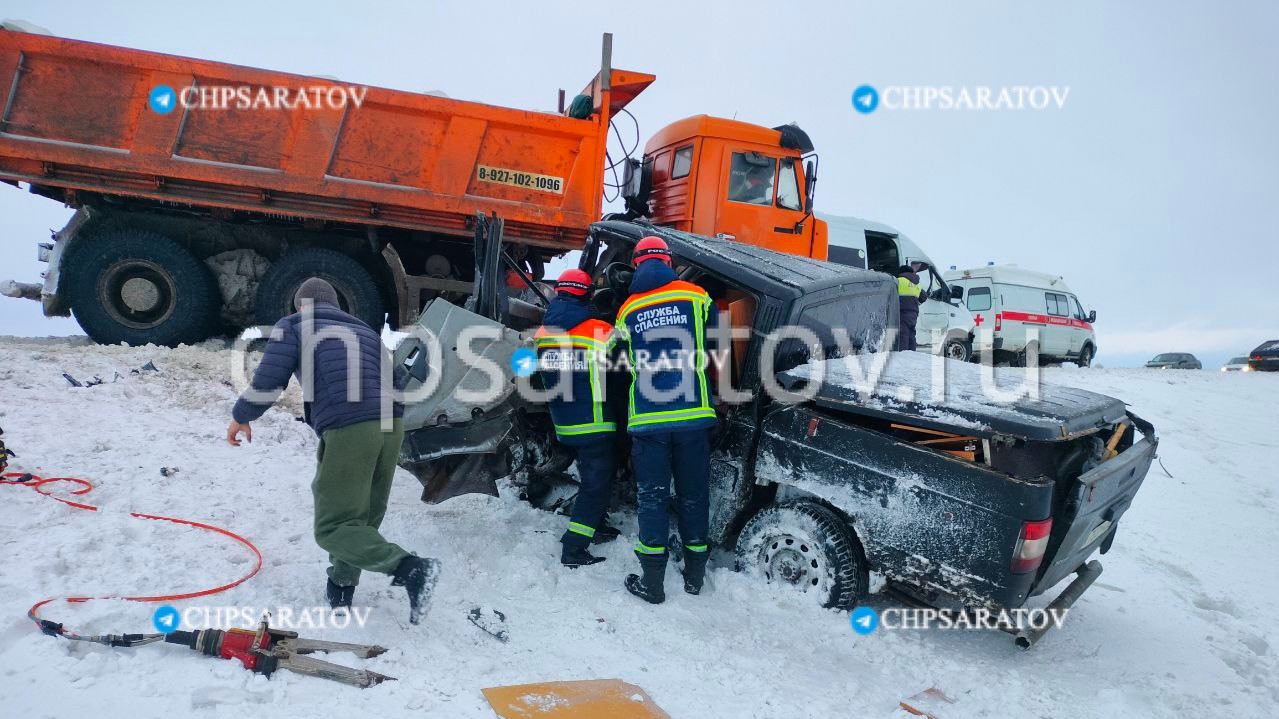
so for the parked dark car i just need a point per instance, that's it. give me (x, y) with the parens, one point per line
(1265, 358)
(1174, 360)
(967, 503)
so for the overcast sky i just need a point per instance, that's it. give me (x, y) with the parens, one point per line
(1154, 190)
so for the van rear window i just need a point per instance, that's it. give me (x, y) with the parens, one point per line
(979, 299)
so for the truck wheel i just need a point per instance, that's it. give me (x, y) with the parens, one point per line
(1085, 356)
(805, 545)
(958, 348)
(357, 292)
(142, 288)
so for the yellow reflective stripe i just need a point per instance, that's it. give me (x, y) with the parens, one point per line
(671, 296)
(643, 548)
(567, 340)
(581, 529)
(588, 428)
(676, 415)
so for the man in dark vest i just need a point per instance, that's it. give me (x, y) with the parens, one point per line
(572, 349)
(351, 408)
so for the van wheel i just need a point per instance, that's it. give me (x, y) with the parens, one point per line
(357, 292)
(1085, 356)
(803, 544)
(958, 348)
(142, 288)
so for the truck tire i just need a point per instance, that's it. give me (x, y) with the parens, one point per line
(140, 287)
(957, 348)
(357, 292)
(807, 545)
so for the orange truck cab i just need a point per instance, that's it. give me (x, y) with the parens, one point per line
(732, 179)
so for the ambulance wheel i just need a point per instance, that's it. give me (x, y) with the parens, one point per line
(958, 348)
(1085, 356)
(807, 546)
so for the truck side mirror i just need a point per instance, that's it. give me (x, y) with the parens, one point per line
(1092, 316)
(956, 292)
(810, 184)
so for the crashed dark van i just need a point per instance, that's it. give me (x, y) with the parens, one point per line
(958, 500)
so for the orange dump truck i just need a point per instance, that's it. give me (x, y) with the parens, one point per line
(207, 192)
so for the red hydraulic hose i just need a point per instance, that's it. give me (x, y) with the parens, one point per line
(35, 482)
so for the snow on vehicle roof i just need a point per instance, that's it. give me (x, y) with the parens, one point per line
(1011, 274)
(731, 257)
(905, 389)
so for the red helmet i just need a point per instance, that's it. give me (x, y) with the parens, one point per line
(574, 282)
(650, 247)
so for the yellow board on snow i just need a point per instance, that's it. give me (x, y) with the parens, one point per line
(586, 699)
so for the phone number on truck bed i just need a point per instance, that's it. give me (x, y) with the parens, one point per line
(525, 180)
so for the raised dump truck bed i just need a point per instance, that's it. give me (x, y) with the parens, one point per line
(77, 118)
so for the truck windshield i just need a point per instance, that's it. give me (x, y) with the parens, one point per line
(750, 178)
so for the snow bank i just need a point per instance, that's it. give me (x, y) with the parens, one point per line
(1182, 623)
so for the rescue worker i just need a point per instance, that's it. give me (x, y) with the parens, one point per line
(357, 455)
(570, 362)
(908, 292)
(664, 323)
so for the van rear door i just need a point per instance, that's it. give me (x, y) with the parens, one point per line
(1086, 515)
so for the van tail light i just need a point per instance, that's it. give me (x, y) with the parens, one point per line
(1029, 551)
(999, 321)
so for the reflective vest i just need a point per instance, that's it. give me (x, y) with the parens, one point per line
(665, 331)
(579, 409)
(907, 288)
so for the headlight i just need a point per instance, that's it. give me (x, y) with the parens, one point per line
(1223, 369)
(1247, 368)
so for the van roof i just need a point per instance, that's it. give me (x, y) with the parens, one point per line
(841, 228)
(1011, 274)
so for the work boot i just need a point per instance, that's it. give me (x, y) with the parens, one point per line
(574, 556)
(339, 596)
(695, 569)
(606, 533)
(650, 587)
(418, 575)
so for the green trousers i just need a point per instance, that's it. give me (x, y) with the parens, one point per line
(351, 488)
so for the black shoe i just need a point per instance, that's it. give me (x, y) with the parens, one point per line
(339, 596)
(605, 533)
(649, 587)
(574, 556)
(695, 570)
(418, 575)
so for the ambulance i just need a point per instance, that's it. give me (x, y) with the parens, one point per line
(1010, 301)
(944, 324)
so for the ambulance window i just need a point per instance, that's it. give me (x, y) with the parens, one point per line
(1057, 304)
(750, 178)
(979, 299)
(1079, 311)
(683, 162)
(788, 186)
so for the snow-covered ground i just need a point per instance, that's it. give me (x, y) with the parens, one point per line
(1184, 622)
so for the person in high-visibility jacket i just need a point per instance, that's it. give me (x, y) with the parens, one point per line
(570, 362)
(908, 298)
(664, 323)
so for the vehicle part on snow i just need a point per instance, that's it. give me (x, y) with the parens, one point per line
(581, 699)
(927, 703)
(491, 622)
(802, 544)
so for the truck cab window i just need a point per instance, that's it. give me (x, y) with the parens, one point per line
(788, 186)
(683, 162)
(979, 299)
(750, 178)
